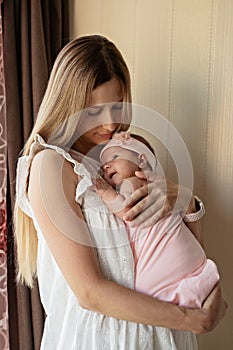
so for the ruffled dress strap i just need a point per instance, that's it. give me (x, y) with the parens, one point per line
(23, 169)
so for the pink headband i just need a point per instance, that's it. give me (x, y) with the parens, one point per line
(124, 140)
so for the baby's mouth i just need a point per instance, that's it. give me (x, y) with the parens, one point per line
(111, 175)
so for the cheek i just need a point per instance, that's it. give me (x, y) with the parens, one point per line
(88, 125)
(129, 169)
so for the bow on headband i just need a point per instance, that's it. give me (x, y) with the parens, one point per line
(124, 140)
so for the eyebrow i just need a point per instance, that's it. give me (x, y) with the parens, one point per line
(96, 106)
(102, 105)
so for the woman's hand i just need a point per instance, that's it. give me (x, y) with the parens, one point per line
(207, 318)
(156, 199)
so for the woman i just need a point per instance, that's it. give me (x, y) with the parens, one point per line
(86, 278)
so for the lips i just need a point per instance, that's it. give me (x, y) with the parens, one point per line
(106, 136)
(112, 174)
(109, 173)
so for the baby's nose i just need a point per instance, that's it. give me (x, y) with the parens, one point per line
(106, 166)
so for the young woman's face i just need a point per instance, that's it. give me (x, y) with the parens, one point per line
(119, 164)
(102, 116)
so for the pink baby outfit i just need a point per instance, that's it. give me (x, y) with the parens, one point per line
(170, 264)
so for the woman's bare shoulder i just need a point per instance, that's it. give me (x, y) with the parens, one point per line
(49, 160)
(52, 168)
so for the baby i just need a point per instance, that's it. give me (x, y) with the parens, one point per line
(170, 264)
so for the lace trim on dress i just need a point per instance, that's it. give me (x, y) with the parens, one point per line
(23, 168)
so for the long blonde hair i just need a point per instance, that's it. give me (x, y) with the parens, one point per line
(82, 65)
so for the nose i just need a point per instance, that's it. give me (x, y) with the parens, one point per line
(107, 166)
(110, 127)
(109, 123)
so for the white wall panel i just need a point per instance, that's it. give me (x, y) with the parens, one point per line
(114, 19)
(218, 172)
(189, 77)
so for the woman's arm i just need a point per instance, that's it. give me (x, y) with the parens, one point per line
(79, 264)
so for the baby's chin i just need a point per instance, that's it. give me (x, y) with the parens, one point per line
(110, 181)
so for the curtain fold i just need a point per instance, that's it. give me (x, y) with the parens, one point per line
(33, 33)
(4, 326)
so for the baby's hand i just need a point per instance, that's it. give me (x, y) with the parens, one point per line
(100, 186)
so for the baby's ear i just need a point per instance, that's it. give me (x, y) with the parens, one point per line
(142, 161)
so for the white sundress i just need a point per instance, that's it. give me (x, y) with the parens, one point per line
(68, 326)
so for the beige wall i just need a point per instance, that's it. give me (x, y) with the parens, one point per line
(180, 54)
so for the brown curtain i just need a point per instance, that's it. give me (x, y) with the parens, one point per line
(4, 327)
(33, 33)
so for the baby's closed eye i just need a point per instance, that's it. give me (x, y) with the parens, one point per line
(115, 156)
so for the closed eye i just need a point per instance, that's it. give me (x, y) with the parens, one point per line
(118, 106)
(94, 111)
(115, 156)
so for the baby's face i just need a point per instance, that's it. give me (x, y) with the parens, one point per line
(119, 164)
